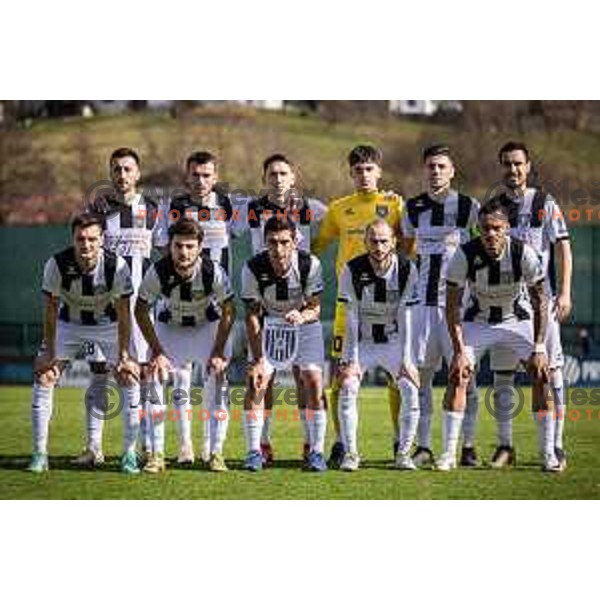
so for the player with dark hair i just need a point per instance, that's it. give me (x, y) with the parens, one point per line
(133, 222)
(281, 287)
(496, 267)
(438, 221)
(346, 222)
(536, 219)
(87, 292)
(284, 198)
(211, 208)
(195, 317)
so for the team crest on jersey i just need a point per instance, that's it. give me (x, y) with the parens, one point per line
(350, 211)
(101, 289)
(382, 210)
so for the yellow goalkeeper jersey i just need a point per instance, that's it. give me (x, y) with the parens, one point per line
(347, 219)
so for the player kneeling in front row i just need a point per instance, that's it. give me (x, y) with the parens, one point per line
(375, 288)
(281, 287)
(195, 316)
(496, 267)
(87, 306)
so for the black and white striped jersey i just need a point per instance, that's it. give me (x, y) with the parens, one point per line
(306, 215)
(280, 295)
(87, 298)
(132, 230)
(536, 219)
(214, 215)
(186, 302)
(374, 301)
(495, 285)
(439, 227)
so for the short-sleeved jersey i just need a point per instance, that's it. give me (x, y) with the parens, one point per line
(87, 298)
(132, 230)
(186, 302)
(376, 299)
(280, 295)
(306, 214)
(347, 220)
(495, 285)
(214, 216)
(439, 226)
(536, 219)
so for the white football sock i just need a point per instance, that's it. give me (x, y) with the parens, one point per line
(41, 412)
(409, 414)
(348, 413)
(131, 416)
(545, 426)
(217, 396)
(471, 412)
(317, 425)
(182, 383)
(425, 408)
(504, 399)
(560, 408)
(253, 425)
(157, 409)
(95, 410)
(452, 426)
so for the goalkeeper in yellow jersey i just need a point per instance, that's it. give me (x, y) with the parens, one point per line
(346, 221)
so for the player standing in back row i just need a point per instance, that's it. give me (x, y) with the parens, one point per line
(346, 221)
(282, 198)
(439, 220)
(133, 222)
(536, 219)
(205, 204)
(281, 288)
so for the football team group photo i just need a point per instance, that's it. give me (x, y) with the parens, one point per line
(405, 335)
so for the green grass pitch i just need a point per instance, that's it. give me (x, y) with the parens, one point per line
(375, 480)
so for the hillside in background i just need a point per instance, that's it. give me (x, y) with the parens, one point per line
(45, 170)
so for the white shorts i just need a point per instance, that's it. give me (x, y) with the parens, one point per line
(514, 338)
(501, 360)
(97, 341)
(388, 356)
(138, 348)
(185, 345)
(430, 336)
(311, 353)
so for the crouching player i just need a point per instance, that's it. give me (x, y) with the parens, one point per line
(496, 268)
(281, 287)
(87, 295)
(195, 316)
(375, 287)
